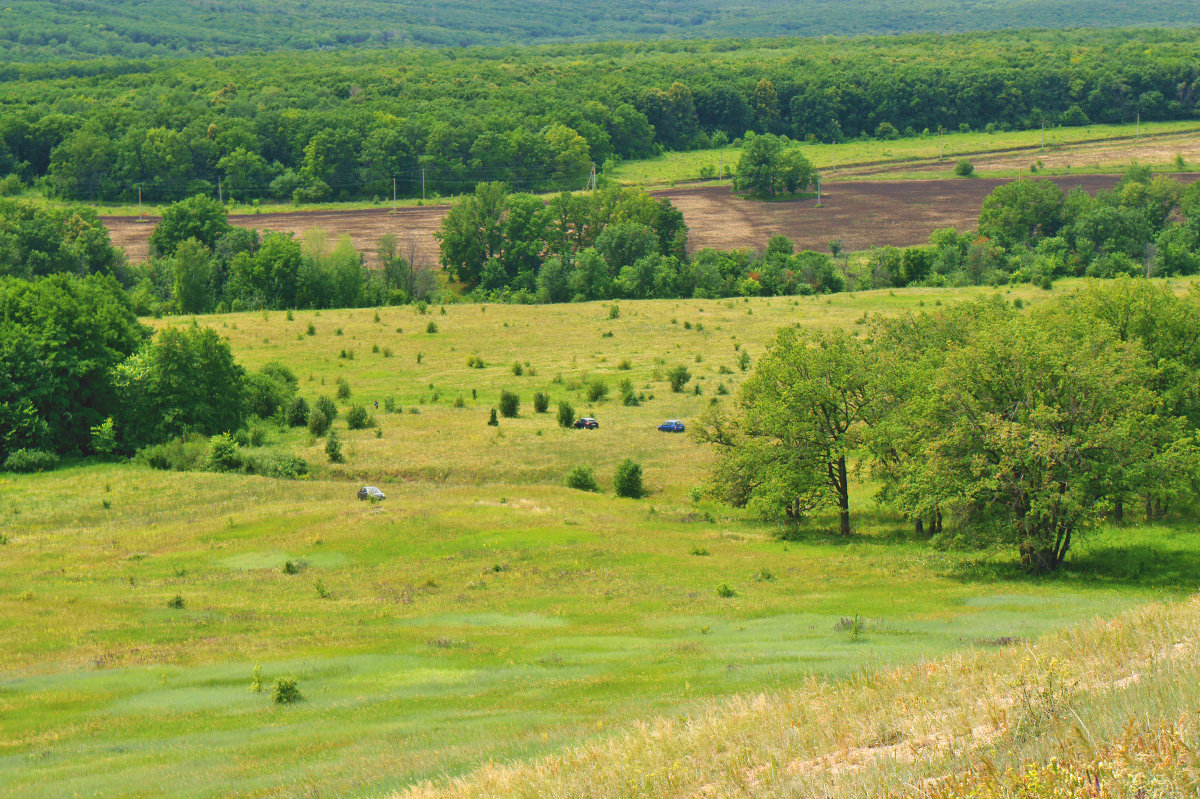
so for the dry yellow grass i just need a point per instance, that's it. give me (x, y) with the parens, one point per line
(1117, 697)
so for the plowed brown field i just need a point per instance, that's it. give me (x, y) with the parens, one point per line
(860, 213)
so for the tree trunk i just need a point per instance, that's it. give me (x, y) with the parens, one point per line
(843, 489)
(1158, 512)
(937, 522)
(1119, 510)
(919, 526)
(1149, 508)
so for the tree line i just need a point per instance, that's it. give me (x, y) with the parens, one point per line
(352, 125)
(983, 422)
(45, 31)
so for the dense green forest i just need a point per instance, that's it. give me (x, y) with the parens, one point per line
(358, 124)
(43, 30)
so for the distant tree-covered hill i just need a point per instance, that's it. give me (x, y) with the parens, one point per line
(40, 30)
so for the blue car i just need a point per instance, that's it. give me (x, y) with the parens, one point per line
(671, 426)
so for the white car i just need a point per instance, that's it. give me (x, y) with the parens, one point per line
(371, 493)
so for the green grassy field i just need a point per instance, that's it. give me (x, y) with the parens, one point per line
(857, 154)
(483, 612)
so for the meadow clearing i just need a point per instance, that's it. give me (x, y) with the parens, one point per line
(484, 612)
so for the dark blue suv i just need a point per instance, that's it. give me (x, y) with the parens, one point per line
(671, 426)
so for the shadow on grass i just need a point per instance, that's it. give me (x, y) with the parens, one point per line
(1133, 565)
(877, 527)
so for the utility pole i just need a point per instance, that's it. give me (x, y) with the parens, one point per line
(592, 178)
(139, 202)
(1139, 126)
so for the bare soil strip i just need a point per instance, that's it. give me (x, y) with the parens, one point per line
(861, 213)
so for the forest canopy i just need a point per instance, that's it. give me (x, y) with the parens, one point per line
(45, 30)
(421, 123)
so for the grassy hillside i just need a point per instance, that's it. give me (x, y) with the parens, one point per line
(483, 612)
(40, 30)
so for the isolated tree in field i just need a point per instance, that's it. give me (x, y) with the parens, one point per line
(770, 165)
(784, 449)
(199, 217)
(1026, 425)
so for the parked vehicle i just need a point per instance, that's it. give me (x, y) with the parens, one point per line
(586, 423)
(371, 493)
(672, 426)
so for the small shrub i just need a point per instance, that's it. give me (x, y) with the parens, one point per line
(431, 327)
(678, 378)
(517, 369)
(389, 405)
(176, 603)
(357, 418)
(333, 448)
(764, 576)
(258, 436)
(326, 406)
(624, 365)
(743, 360)
(510, 404)
(582, 479)
(566, 414)
(322, 591)
(297, 412)
(628, 479)
(475, 362)
(10, 186)
(343, 388)
(596, 389)
(700, 552)
(614, 312)
(287, 691)
(256, 686)
(725, 592)
(27, 461)
(459, 402)
(223, 455)
(104, 438)
(492, 420)
(855, 627)
(291, 317)
(311, 330)
(721, 389)
(178, 454)
(318, 422)
(541, 402)
(964, 168)
(293, 566)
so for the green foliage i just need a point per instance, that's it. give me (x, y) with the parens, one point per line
(582, 479)
(318, 422)
(178, 454)
(104, 438)
(678, 378)
(725, 592)
(493, 421)
(510, 404)
(627, 481)
(223, 454)
(769, 165)
(286, 691)
(541, 402)
(185, 380)
(784, 452)
(964, 168)
(60, 338)
(333, 447)
(596, 389)
(326, 406)
(566, 414)
(297, 412)
(38, 240)
(199, 218)
(343, 388)
(357, 418)
(25, 461)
